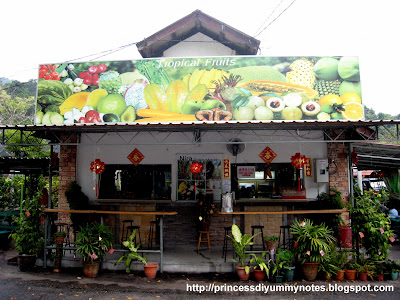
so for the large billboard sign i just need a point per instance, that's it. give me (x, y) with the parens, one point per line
(206, 89)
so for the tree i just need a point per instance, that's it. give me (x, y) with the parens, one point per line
(16, 110)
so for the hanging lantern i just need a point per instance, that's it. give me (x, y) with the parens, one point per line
(298, 160)
(354, 156)
(196, 167)
(97, 167)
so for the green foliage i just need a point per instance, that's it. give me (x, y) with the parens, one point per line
(93, 240)
(78, 201)
(368, 220)
(286, 257)
(21, 90)
(311, 241)
(240, 244)
(133, 254)
(28, 234)
(272, 238)
(16, 110)
(336, 257)
(260, 263)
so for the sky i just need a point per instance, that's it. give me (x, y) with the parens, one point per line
(48, 31)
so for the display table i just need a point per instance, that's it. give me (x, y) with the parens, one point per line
(159, 214)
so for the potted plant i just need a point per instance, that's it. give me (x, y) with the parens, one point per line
(311, 243)
(28, 233)
(350, 270)
(59, 237)
(286, 257)
(59, 241)
(261, 267)
(365, 269)
(338, 258)
(240, 244)
(150, 269)
(394, 269)
(271, 242)
(278, 269)
(379, 270)
(93, 241)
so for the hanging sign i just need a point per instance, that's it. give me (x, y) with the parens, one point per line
(97, 167)
(308, 167)
(226, 163)
(246, 172)
(267, 155)
(135, 157)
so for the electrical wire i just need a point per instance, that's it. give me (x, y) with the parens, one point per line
(269, 16)
(275, 18)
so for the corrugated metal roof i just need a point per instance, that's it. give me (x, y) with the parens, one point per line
(210, 126)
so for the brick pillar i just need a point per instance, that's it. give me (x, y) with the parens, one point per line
(339, 177)
(67, 174)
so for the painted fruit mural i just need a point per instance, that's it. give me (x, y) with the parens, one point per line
(207, 89)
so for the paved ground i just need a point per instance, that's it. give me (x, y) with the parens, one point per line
(70, 284)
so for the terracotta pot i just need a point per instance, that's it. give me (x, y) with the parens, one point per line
(259, 275)
(59, 240)
(242, 273)
(26, 262)
(339, 275)
(310, 270)
(363, 276)
(379, 277)
(271, 245)
(150, 270)
(350, 274)
(345, 237)
(91, 269)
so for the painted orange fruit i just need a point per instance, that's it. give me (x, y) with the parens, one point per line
(330, 99)
(350, 97)
(353, 111)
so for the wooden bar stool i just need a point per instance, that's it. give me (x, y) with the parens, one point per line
(286, 242)
(260, 228)
(125, 233)
(206, 239)
(226, 239)
(152, 230)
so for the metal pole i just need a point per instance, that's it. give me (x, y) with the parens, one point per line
(161, 243)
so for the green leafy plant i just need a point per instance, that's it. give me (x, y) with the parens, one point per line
(286, 257)
(337, 257)
(260, 263)
(28, 233)
(93, 241)
(240, 244)
(60, 233)
(366, 266)
(370, 225)
(133, 254)
(272, 238)
(311, 241)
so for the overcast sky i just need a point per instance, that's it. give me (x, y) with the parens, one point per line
(45, 31)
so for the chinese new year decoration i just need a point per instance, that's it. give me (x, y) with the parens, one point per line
(354, 157)
(135, 157)
(97, 167)
(298, 161)
(196, 167)
(267, 155)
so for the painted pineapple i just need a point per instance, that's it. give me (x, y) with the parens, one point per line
(301, 73)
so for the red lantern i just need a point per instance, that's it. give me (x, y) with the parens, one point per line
(97, 166)
(298, 160)
(196, 167)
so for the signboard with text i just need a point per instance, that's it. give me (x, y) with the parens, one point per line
(206, 89)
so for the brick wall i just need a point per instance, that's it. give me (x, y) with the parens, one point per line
(67, 173)
(339, 175)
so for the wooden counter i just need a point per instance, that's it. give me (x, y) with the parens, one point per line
(287, 212)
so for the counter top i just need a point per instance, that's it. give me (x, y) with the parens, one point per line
(128, 201)
(114, 212)
(271, 200)
(288, 212)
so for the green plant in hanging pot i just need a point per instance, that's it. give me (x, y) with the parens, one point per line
(93, 241)
(240, 244)
(28, 233)
(311, 243)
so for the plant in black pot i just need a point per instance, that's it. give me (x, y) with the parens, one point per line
(28, 233)
(93, 241)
